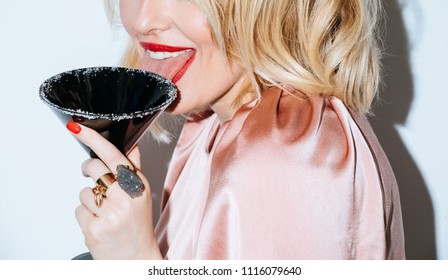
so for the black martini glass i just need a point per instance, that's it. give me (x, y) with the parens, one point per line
(119, 103)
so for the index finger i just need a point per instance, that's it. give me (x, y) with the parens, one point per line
(104, 149)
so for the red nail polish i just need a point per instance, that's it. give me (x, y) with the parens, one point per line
(73, 127)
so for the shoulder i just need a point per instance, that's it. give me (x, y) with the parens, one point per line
(309, 127)
(288, 132)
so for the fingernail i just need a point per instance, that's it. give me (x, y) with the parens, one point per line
(73, 127)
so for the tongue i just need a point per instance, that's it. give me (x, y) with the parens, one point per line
(167, 68)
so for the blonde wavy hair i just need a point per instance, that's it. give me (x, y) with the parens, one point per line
(327, 47)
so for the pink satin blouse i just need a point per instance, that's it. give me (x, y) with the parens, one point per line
(289, 177)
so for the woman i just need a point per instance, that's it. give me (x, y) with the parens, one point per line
(276, 160)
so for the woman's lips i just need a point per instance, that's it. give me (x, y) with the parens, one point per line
(162, 48)
(171, 62)
(184, 69)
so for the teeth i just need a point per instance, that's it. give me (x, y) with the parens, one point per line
(164, 55)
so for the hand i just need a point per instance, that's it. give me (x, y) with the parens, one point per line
(122, 228)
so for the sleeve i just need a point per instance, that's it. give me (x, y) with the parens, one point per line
(297, 180)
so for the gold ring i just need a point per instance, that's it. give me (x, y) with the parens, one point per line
(106, 180)
(99, 193)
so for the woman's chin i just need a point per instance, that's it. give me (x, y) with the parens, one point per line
(178, 107)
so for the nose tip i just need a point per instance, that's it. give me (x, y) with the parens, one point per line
(152, 17)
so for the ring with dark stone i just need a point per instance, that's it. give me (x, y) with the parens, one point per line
(129, 181)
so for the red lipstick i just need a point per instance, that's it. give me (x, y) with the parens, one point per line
(162, 48)
(183, 70)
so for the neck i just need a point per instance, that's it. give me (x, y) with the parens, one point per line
(225, 107)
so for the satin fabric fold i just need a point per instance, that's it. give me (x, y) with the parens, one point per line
(289, 177)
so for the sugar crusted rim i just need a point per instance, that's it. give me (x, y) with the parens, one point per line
(172, 94)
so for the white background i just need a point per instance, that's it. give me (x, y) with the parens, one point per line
(40, 162)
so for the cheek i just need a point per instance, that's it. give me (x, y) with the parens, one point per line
(127, 9)
(191, 21)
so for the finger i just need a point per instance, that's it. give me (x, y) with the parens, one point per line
(94, 168)
(134, 157)
(104, 149)
(83, 216)
(87, 198)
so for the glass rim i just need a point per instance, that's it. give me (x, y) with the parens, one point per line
(171, 93)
